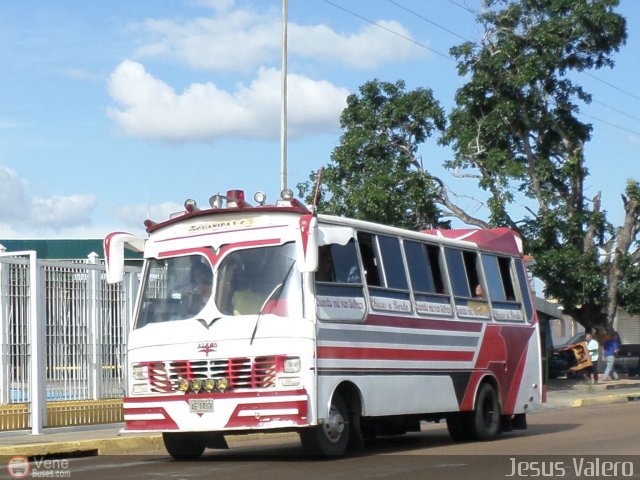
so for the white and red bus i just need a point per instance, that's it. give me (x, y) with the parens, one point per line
(270, 318)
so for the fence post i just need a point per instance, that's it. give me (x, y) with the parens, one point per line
(4, 330)
(37, 332)
(95, 368)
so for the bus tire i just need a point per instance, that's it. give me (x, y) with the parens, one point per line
(183, 445)
(330, 439)
(484, 422)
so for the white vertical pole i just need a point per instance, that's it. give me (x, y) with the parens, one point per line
(5, 302)
(37, 327)
(95, 335)
(283, 113)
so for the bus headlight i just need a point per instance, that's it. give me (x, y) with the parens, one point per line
(183, 384)
(292, 365)
(290, 381)
(139, 389)
(140, 372)
(209, 384)
(196, 385)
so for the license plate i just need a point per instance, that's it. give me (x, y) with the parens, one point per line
(200, 405)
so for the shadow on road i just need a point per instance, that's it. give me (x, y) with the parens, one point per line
(410, 444)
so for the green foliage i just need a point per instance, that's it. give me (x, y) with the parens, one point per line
(374, 173)
(515, 128)
(516, 123)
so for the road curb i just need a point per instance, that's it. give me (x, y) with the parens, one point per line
(122, 444)
(103, 446)
(602, 400)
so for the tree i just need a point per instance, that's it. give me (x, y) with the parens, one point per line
(515, 128)
(372, 174)
(516, 123)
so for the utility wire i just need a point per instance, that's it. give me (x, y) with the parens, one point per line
(611, 124)
(429, 21)
(633, 117)
(409, 39)
(339, 7)
(586, 73)
(633, 95)
(610, 85)
(463, 7)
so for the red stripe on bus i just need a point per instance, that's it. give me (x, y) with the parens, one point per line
(256, 419)
(363, 353)
(166, 423)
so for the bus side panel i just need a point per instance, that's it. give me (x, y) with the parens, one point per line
(397, 370)
(508, 356)
(410, 371)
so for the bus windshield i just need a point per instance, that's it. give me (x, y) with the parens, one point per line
(249, 279)
(247, 282)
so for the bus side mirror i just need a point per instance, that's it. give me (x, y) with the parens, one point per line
(307, 244)
(114, 245)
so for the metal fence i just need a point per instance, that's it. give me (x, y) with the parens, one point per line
(62, 341)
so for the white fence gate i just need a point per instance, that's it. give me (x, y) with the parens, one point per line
(62, 337)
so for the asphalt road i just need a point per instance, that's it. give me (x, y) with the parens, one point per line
(589, 442)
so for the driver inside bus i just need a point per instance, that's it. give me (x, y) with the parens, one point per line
(201, 287)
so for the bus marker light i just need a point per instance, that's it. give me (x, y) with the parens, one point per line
(183, 385)
(209, 384)
(222, 384)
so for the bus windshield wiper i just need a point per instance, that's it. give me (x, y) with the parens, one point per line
(275, 294)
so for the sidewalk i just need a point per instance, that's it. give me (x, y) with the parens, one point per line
(562, 393)
(106, 439)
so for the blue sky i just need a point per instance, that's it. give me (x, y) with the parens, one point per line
(110, 110)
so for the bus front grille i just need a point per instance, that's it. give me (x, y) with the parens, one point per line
(242, 372)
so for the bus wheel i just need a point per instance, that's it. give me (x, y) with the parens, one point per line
(184, 446)
(484, 422)
(332, 437)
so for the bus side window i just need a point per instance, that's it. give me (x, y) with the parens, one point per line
(369, 260)
(426, 278)
(385, 273)
(504, 264)
(325, 271)
(500, 285)
(495, 282)
(457, 273)
(338, 284)
(338, 263)
(464, 272)
(523, 281)
(394, 273)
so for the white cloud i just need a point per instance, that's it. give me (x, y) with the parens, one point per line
(133, 216)
(62, 211)
(241, 40)
(367, 49)
(12, 195)
(21, 211)
(152, 109)
(237, 40)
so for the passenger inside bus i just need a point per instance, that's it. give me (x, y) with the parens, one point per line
(479, 306)
(241, 290)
